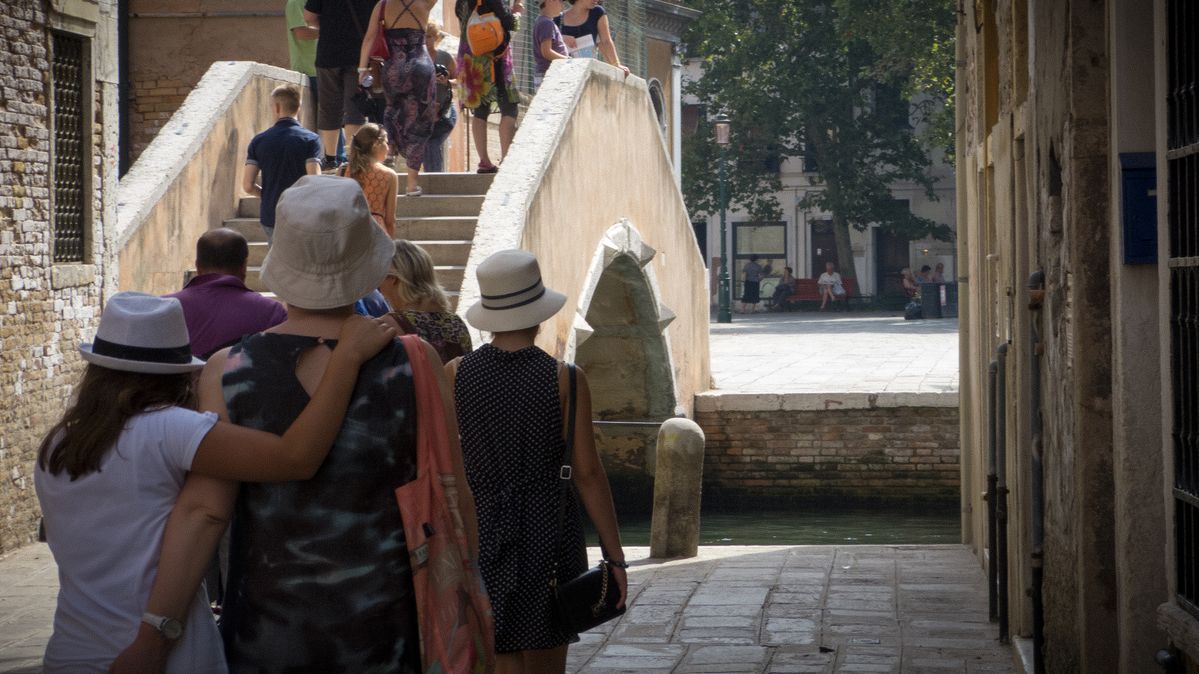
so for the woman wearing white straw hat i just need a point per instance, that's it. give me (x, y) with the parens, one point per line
(319, 571)
(512, 399)
(130, 455)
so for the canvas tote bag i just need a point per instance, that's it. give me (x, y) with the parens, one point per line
(457, 632)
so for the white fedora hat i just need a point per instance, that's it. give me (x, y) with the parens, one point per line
(142, 333)
(512, 294)
(328, 252)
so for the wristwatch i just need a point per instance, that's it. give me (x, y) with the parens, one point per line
(169, 628)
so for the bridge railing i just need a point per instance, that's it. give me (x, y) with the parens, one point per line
(588, 180)
(187, 180)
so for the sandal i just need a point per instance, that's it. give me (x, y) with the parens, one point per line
(414, 193)
(487, 168)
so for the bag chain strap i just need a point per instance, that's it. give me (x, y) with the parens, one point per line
(603, 598)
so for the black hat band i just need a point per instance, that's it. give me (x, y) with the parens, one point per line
(180, 355)
(534, 298)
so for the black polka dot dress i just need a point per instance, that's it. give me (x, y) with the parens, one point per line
(510, 418)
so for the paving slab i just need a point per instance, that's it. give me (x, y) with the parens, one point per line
(794, 609)
(834, 353)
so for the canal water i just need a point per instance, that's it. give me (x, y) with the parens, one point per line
(813, 526)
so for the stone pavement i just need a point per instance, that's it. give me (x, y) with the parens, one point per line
(834, 353)
(732, 609)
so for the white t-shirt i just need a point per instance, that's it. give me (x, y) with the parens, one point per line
(834, 280)
(105, 530)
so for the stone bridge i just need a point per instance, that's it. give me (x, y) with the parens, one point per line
(587, 186)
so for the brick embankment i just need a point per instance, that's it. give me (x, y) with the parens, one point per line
(855, 447)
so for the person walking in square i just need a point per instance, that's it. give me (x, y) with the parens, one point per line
(282, 154)
(751, 292)
(547, 40)
(513, 401)
(342, 24)
(218, 306)
(409, 85)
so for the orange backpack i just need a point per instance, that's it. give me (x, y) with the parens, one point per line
(484, 31)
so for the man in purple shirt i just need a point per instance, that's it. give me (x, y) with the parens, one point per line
(218, 307)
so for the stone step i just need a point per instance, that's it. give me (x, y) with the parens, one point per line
(431, 205)
(258, 251)
(433, 184)
(453, 253)
(436, 228)
(455, 183)
(249, 228)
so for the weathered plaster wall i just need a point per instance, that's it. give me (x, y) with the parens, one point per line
(187, 181)
(46, 309)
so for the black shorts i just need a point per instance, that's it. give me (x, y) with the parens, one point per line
(507, 109)
(335, 107)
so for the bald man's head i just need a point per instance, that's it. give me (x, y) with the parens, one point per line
(222, 251)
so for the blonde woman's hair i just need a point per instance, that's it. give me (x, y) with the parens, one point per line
(413, 267)
(362, 148)
(433, 30)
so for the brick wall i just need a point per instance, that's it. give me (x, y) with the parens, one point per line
(901, 453)
(45, 309)
(154, 101)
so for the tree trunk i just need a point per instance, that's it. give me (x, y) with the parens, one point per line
(845, 263)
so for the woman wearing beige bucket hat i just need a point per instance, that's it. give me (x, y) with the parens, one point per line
(130, 455)
(513, 400)
(319, 572)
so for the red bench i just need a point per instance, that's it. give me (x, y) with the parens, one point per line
(808, 290)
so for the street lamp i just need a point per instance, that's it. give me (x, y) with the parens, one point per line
(724, 299)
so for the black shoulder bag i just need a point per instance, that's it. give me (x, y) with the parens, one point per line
(590, 599)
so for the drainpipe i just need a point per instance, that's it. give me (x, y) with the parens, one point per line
(1036, 296)
(676, 112)
(989, 497)
(1001, 489)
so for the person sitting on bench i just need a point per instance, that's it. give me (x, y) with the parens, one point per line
(831, 287)
(783, 290)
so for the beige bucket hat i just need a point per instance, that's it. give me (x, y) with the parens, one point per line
(513, 295)
(142, 333)
(328, 252)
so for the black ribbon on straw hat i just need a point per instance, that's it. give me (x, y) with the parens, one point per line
(536, 286)
(180, 355)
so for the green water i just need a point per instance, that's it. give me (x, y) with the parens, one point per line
(811, 526)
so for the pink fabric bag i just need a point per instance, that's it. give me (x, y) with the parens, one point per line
(457, 631)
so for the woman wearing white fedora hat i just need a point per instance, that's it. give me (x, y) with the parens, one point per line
(319, 572)
(513, 402)
(130, 455)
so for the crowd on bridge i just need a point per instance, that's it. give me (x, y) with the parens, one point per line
(399, 501)
(379, 62)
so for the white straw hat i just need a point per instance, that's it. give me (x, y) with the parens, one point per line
(512, 294)
(327, 252)
(142, 333)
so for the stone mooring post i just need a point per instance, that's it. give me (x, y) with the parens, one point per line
(678, 478)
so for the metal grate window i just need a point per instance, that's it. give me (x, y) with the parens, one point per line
(68, 82)
(1182, 158)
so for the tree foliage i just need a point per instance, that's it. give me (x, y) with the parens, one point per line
(829, 80)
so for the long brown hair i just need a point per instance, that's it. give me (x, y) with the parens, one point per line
(362, 148)
(106, 400)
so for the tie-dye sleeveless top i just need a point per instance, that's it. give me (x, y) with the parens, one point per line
(319, 577)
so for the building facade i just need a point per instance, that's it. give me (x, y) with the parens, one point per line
(1077, 144)
(58, 162)
(804, 240)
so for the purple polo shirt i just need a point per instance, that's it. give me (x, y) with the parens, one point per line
(220, 310)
